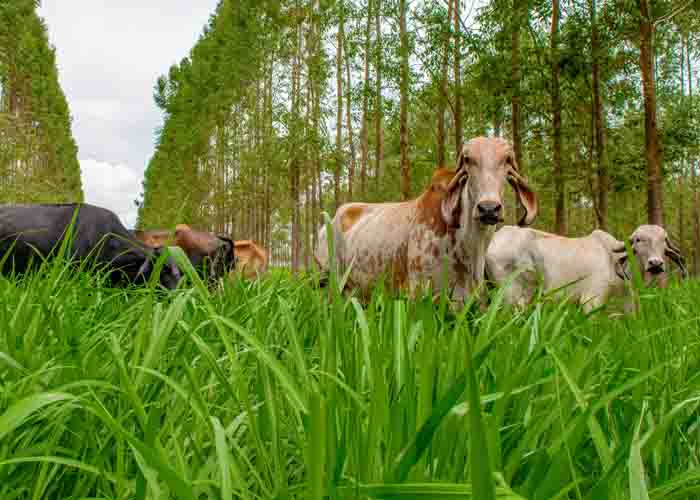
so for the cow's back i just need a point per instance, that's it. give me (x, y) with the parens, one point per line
(373, 238)
(154, 238)
(29, 228)
(251, 259)
(44, 226)
(582, 265)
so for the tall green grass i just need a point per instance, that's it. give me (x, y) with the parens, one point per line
(277, 390)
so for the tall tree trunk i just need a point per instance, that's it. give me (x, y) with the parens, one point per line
(339, 93)
(515, 82)
(351, 139)
(315, 122)
(294, 164)
(681, 176)
(600, 133)
(364, 130)
(379, 133)
(459, 132)
(694, 181)
(268, 187)
(442, 101)
(307, 223)
(560, 204)
(655, 213)
(220, 160)
(315, 214)
(403, 118)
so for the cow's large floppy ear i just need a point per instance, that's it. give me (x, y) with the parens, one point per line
(619, 252)
(673, 253)
(526, 196)
(621, 266)
(450, 206)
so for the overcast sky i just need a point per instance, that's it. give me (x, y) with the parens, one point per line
(109, 54)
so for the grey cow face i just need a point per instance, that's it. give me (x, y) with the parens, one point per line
(649, 245)
(653, 251)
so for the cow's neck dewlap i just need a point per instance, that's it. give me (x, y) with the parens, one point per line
(472, 241)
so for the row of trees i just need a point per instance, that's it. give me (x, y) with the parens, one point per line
(38, 156)
(286, 109)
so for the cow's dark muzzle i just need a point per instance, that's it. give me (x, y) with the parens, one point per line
(489, 212)
(655, 266)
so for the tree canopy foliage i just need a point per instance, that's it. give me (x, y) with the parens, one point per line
(38, 156)
(284, 109)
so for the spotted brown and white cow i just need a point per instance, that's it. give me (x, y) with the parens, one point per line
(451, 222)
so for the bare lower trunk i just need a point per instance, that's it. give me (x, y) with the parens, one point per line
(307, 227)
(646, 62)
(560, 204)
(681, 176)
(693, 181)
(294, 163)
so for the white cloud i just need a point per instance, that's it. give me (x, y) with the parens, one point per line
(109, 55)
(112, 186)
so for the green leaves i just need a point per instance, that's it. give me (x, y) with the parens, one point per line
(272, 390)
(20, 411)
(38, 155)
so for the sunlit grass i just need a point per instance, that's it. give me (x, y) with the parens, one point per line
(276, 390)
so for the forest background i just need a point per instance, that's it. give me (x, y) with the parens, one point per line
(285, 109)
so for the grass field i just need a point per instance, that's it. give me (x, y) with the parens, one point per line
(273, 390)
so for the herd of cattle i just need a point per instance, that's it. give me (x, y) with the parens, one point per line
(31, 233)
(444, 239)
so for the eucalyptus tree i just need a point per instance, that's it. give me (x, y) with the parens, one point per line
(38, 155)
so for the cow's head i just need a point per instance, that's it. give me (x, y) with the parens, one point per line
(170, 274)
(215, 253)
(476, 191)
(223, 257)
(651, 245)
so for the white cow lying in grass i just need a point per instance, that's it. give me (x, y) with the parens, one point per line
(594, 267)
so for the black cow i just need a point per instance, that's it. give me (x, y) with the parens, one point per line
(97, 234)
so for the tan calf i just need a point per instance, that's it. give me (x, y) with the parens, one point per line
(251, 259)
